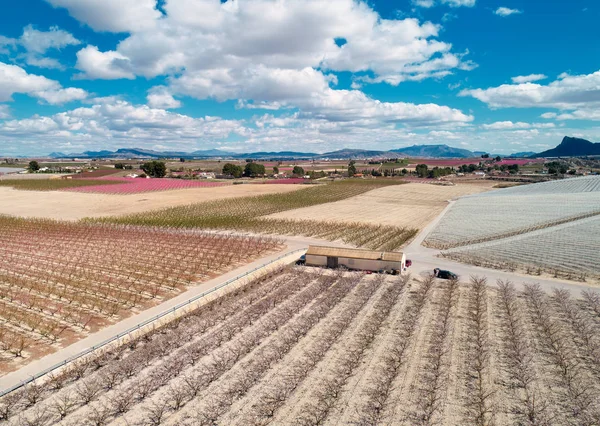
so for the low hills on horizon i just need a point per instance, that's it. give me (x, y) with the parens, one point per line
(424, 151)
(569, 147)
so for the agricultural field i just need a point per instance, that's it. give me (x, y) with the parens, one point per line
(306, 346)
(570, 250)
(247, 214)
(412, 205)
(125, 186)
(449, 162)
(54, 184)
(517, 210)
(60, 281)
(287, 181)
(99, 173)
(32, 176)
(68, 205)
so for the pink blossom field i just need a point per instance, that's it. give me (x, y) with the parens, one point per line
(138, 185)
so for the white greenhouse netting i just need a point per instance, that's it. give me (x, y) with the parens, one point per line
(573, 247)
(513, 211)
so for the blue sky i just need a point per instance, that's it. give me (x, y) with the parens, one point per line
(496, 75)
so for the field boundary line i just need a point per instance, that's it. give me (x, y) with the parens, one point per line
(149, 322)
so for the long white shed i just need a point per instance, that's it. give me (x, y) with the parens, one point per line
(359, 259)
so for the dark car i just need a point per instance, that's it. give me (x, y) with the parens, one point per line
(408, 263)
(445, 275)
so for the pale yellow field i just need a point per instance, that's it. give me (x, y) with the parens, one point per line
(412, 205)
(77, 205)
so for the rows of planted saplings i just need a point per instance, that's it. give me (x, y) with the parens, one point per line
(569, 251)
(376, 237)
(191, 351)
(246, 214)
(62, 279)
(308, 346)
(227, 213)
(499, 257)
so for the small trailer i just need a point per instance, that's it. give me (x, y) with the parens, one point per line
(355, 259)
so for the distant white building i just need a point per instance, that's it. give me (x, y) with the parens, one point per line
(206, 175)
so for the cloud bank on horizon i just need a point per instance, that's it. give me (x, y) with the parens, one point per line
(254, 75)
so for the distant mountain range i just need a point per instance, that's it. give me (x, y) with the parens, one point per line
(571, 147)
(436, 151)
(423, 151)
(524, 154)
(136, 152)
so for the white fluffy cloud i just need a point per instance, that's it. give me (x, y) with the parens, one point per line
(112, 15)
(309, 90)
(284, 59)
(582, 114)
(506, 11)
(452, 3)
(459, 3)
(14, 79)
(204, 36)
(103, 65)
(115, 123)
(160, 97)
(62, 96)
(41, 41)
(6, 44)
(4, 112)
(124, 122)
(567, 92)
(36, 45)
(424, 3)
(528, 78)
(509, 125)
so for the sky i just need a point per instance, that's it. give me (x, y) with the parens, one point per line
(500, 76)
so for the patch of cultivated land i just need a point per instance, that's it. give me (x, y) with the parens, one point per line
(413, 205)
(60, 281)
(51, 184)
(74, 206)
(306, 346)
(517, 210)
(249, 214)
(544, 228)
(571, 250)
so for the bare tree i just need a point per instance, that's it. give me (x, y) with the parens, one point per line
(63, 404)
(9, 404)
(88, 390)
(155, 413)
(122, 401)
(176, 396)
(98, 416)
